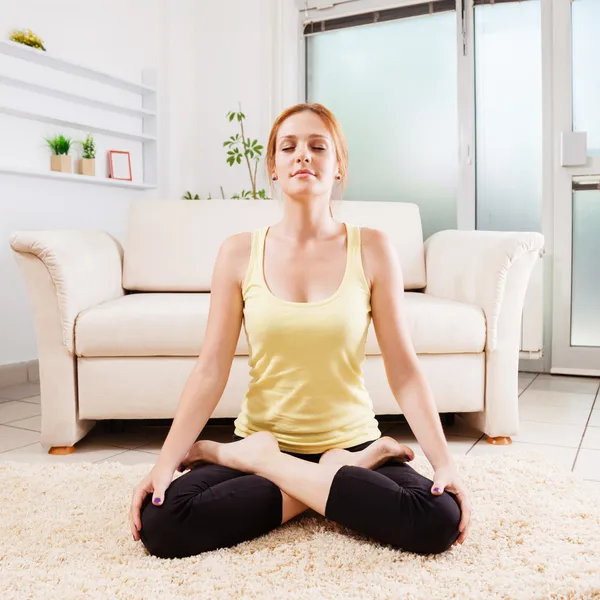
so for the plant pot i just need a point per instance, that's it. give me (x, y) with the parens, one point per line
(61, 162)
(86, 166)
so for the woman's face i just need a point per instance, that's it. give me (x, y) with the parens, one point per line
(304, 142)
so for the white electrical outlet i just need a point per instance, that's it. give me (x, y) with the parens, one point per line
(573, 148)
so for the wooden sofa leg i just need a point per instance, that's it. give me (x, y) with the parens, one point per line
(61, 450)
(499, 441)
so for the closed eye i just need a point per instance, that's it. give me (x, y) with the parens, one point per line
(291, 148)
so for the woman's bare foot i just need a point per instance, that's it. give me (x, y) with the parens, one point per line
(242, 455)
(371, 457)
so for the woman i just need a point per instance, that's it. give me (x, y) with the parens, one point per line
(306, 289)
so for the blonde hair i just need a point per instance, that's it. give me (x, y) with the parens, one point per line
(332, 124)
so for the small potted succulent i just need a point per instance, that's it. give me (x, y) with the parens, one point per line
(87, 164)
(60, 160)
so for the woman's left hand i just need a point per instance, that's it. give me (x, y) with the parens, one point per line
(447, 478)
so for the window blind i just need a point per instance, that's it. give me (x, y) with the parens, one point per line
(379, 16)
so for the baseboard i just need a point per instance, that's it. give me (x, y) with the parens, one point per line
(533, 365)
(18, 373)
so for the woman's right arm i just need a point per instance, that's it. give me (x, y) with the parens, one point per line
(208, 379)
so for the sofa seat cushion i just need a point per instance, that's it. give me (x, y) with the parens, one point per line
(146, 324)
(173, 324)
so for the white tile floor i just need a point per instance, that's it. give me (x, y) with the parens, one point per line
(559, 415)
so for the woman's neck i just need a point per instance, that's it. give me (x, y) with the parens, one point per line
(307, 220)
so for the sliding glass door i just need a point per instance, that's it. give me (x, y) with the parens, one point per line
(576, 312)
(441, 103)
(508, 117)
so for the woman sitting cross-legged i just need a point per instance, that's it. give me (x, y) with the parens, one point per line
(306, 289)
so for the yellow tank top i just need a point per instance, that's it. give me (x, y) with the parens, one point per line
(305, 360)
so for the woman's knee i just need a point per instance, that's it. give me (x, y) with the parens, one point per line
(151, 533)
(160, 533)
(197, 517)
(442, 528)
(432, 525)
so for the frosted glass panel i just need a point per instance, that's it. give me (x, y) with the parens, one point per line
(508, 72)
(585, 299)
(586, 74)
(392, 86)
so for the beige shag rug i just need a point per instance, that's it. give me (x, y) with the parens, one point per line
(64, 534)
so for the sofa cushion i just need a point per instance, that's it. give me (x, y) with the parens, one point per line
(171, 246)
(165, 324)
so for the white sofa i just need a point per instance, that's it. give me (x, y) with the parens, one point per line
(119, 327)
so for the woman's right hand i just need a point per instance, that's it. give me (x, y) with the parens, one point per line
(155, 483)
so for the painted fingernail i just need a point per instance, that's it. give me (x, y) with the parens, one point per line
(436, 489)
(407, 457)
(156, 500)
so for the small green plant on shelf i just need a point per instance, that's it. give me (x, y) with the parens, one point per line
(60, 144)
(89, 147)
(87, 164)
(60, 159)
(28, 38)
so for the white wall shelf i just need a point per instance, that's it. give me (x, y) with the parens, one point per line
(43, 58)
(76, 178)
(15, 112)
(147, 114)
(48, 91)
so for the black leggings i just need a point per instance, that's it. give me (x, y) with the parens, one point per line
(213, 506)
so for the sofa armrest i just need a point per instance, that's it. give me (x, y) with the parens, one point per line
(490, 269)
(474, 266)
(84, 265)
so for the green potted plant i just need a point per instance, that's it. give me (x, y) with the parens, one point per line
(250, 150)
(87, 164)
(60, 160)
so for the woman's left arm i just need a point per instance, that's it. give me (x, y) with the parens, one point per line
(404, 373)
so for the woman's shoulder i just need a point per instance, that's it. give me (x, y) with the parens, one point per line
(234, 254)
(237, 245)
(374, 240)
(377, 251)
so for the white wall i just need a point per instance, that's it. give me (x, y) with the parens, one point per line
(209, 55)
(235, 64)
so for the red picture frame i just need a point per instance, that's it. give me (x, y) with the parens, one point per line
(115, 173)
